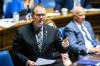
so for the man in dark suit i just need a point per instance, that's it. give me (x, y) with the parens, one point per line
(82, 40)
(70, 4)
(29, 46)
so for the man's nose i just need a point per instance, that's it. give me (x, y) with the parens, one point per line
(83, 16)
(41, 16)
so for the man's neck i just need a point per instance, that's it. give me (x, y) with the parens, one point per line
(38, 29)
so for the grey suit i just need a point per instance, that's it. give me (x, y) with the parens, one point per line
(76, 40)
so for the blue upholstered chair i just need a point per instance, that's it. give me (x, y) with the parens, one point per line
(61, 31)
(5, 59)
(66, 62)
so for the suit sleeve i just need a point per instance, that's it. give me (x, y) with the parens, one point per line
(59, 40)
(75, 44)
(17, 47)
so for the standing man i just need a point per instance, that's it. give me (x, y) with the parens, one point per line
(70, 4)
(82, 40)
(37, 40)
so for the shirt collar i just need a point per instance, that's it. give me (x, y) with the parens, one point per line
(79, 25)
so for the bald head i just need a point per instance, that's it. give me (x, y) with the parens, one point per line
(39, 16)
(78, 10)
(38, 9)
(78, 14)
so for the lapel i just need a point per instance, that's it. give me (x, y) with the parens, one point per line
(45, 35)
(74, 26)
(76, 29)
(88, 29)
(33, 40)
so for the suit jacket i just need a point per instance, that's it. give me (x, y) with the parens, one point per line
(69, 4)
(25, 45)
(76, 40)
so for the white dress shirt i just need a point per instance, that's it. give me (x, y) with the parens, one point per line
(88, 43)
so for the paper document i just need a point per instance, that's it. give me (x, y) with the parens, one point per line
(7, 23)
(92, 9)
(53, 14)
(41, 61)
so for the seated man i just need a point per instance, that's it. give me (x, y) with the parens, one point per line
(65, 56)
(70, 4)
(37, 40)
(82, 40)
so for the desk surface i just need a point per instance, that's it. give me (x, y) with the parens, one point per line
(92, 57)
(15, 26)
(7, 34)
(70, 15)
(51, 18)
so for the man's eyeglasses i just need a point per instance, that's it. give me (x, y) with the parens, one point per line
(40, 14)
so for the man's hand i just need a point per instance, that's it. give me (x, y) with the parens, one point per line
(31, 63)
(65, 43)
(66, 60)
(95, 50)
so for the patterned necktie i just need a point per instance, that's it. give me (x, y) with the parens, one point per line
(40, 40)
(87, 37)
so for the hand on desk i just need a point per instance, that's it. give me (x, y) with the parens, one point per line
(95, 50)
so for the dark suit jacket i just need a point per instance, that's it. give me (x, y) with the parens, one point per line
(76, 40)
(25, 45)
(69, 4)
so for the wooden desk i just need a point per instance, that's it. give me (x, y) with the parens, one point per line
(7, 34)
